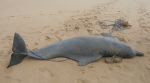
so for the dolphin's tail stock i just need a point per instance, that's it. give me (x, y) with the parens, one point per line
(19, 49)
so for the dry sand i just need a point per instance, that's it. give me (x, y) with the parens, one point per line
(43, 22)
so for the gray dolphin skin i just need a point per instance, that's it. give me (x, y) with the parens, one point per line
(84, 49)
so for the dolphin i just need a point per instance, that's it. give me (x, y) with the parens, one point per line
(83, 49)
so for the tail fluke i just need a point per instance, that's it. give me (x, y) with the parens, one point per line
(19, 49)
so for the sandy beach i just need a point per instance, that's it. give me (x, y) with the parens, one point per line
(44, 22)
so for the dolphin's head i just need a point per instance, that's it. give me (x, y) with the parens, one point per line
(139, 53)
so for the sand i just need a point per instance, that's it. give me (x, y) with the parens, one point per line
(44, 22)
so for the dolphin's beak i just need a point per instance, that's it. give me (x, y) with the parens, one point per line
(139, 53)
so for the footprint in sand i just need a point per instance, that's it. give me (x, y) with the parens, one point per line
(26, 17)
(36, 43)
(11, 16)
(121, 39)
(12, 79)
(47, 38)
(56, 32)
(90, 67)
(8, 38)
(61, 12)
(8, 71)
(58, 38)
(9, 52)
(146, 39)
(143, 25)
(147, 66)
(110, 68)
(46, 27)
(89, 31)
(7, 77)
(83, 81)
(143, 21)
(139, 42)
(76, 28)
(147, 30)
(46, 71)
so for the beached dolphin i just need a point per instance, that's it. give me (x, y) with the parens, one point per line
(84, 49)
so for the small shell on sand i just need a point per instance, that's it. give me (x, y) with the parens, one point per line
(126, 23)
